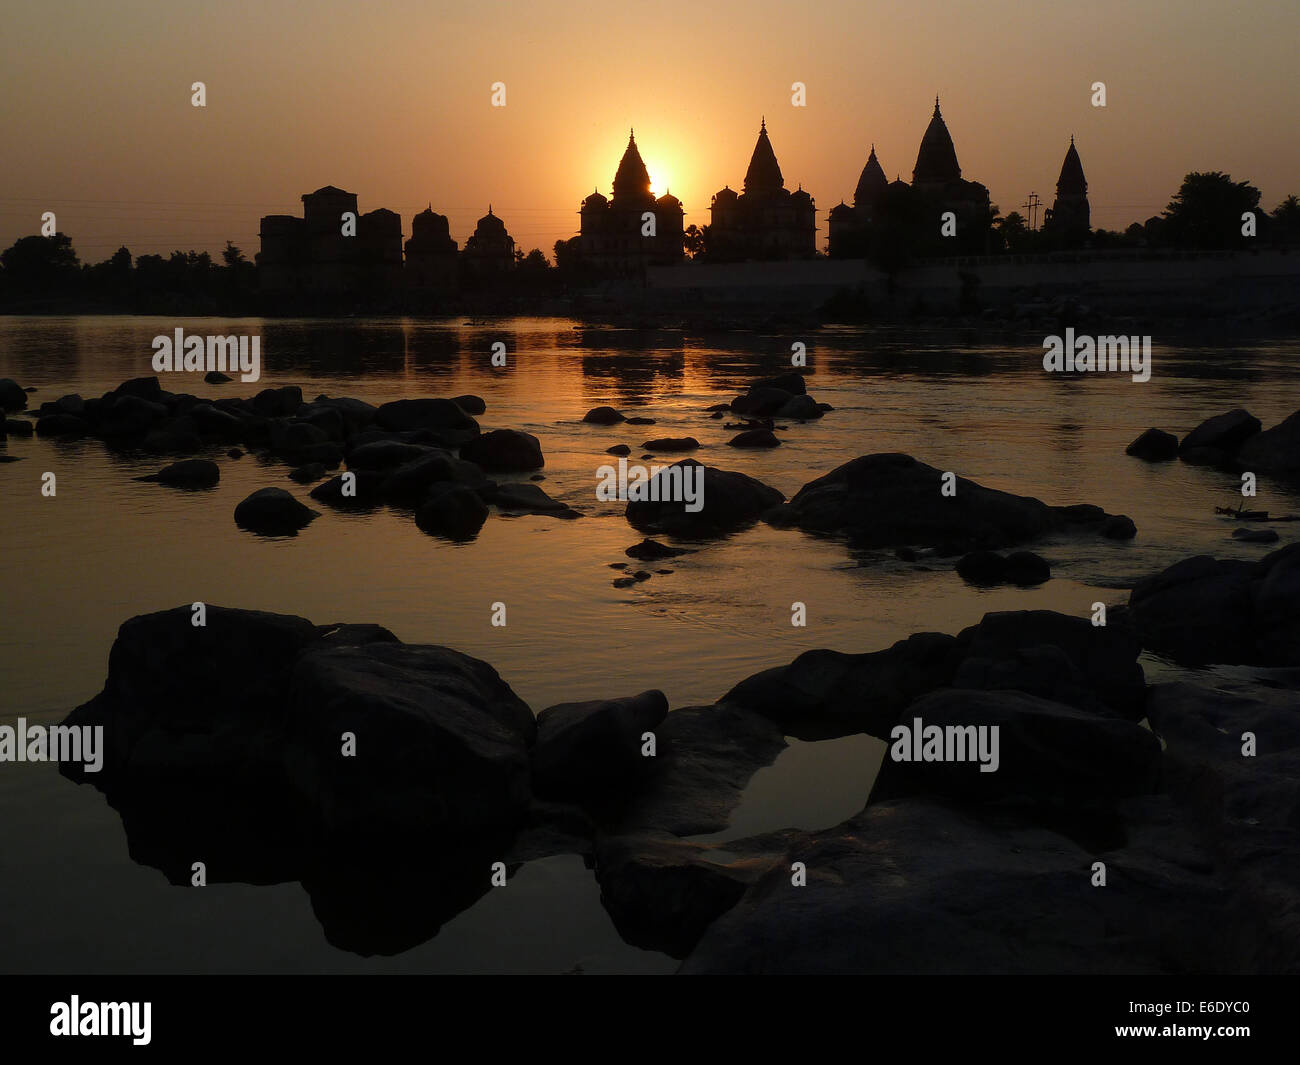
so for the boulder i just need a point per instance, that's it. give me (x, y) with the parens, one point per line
(755, 438)
(1275, 450)
(889, 500)
(1041, 750)
(663, 893)
(672, 443)
(188, 473)
(652, 551)
(1226, 432)
(761, 401)
(504, 449)
(1255, 536)
(140, 387)
(387, 455)
(801, 408)
(443, 417)
(277, 402)
(453, 511)
(920, 886)
(728, 501)
(1055, 656)
(1203, 610)
(591, 751)
(828, 693)
(12, 395)
(528, 498)
(441, 742)
(470, 404)
(273, 512)
(1118, 527)
(68, 425)
(603, 416)
(307, 473)
(216, 377)
(1247, 808)
(618, 449)
(366, 489)
(18, 427)
(1155, 445)
(793, 383)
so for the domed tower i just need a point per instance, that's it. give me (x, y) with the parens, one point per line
(1071, 217)
(669, 245)
(490, 250)
(632, 180)
(871, 185)
(764, 174)
(936, 161)
(430, 252)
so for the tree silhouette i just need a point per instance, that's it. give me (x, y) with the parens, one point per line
(47, 265)
(1206, 212)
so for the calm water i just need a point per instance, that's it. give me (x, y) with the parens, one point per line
(107, 547)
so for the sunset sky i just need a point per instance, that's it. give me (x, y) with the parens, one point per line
(392, 101)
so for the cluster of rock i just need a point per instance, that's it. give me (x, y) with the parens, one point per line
(1205, 610)
(360, 765)
(1235, 439)
(428, 455)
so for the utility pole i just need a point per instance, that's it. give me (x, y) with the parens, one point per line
(1032, 205)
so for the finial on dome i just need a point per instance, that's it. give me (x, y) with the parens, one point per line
(762, 128)
(489, 208)
(1071, 140)
(936, 105)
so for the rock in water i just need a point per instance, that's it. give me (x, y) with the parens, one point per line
(452, 510)
(755, 438)
(586, 751)
(273, 512)
(603, 416)
(672, 443)
(1225, 432)
(1154, 445)
(12, 395)
(188, 473)
(722, 502)
(892, 499)
(1275, 450)
(504, 450)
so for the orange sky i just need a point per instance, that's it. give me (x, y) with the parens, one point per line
(392, 101)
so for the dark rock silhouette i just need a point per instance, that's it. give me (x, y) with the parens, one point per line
(189, 473)
(663, 893)
(451, 510)
(989, 568)
(892, 500)
(473, 405)
(307, 473)
(367, 489)
(1224, 432)
(18, 427)
(652, 551)
(603, 416)
(1154, 445)
(528, 498)
(672, 443)
(440, 416)
(1204, 610)
(755, 438)
(920, 886)
(12, 395)
(1275, 450)
(273, 512)
(586, 751)
(730, 501)
(618, 449)
(504, 449)
(802, 408)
